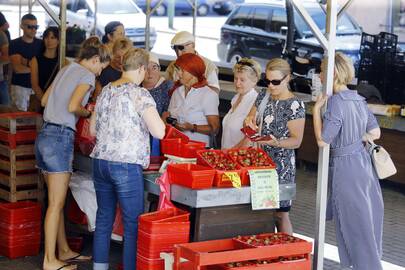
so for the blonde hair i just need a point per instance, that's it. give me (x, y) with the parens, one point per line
(134, 58)
(123, 44)
(250, 66)
(278, 64)
(343, 70)
(93, 47)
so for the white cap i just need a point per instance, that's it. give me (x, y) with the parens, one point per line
(153, 58)
(182, 37)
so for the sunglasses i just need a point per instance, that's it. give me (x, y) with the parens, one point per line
(273, 82)
(179, 47)
(32, 27)
(246, 63)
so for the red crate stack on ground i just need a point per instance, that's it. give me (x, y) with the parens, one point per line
(19, 177)
(159, 232)
(20, 229)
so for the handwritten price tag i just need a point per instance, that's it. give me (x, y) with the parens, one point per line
(264, 189)
(233, 177)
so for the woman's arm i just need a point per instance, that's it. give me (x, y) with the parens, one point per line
(75, 104)
(250, 119)
(93, 124)
(97, 91)
(317, 120)
(296, 130)
(154, 123)
(211, 128)
(4, 54)
(373, 134)
(35, 79)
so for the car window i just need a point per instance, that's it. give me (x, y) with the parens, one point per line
(260, 18)
(344, 23)
(69, 4)
(278, 20)
(81, 4)
(241, 17)
(116, 7)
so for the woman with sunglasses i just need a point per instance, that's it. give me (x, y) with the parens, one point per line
(64, 103)
(355, 202)
(278, 113)
(246, 74)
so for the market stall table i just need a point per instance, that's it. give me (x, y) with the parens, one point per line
(215, 213)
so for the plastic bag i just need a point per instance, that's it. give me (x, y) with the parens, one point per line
(164, 196)
(84, 141)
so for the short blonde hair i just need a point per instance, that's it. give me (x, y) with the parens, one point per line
(93, 47)
(278, 64)
(343, 71)
(122, 44)
(134, 58)
(250, 66)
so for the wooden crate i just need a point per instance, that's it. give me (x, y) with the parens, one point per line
(20, 121)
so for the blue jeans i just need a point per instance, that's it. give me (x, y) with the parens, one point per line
(4, 95)
(122, 182)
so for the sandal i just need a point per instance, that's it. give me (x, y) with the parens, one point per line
(78, 259)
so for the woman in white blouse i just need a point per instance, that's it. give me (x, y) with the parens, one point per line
(246, 73)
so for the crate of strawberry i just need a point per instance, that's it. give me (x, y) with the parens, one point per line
(223, 165)
(251, 159)
(277, 243)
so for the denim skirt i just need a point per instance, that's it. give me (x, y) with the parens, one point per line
(54, 148)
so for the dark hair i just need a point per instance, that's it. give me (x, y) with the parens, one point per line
(51, 29)
(109, 29)
(93, 47)
(2, 19)
(29, 16)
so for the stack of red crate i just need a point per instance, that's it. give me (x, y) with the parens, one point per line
(20, 229)
(159, 232)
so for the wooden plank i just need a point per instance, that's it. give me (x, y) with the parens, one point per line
(20, 150)
(19, 180)
(16, 166)
(30, 194)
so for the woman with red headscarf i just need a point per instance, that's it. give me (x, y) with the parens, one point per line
(193, 104)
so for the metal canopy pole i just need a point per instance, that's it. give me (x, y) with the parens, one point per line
(94, 31)
(344, 7)
(62, 43)
(50, 11)
(194, 5)
(328, 44)
(149, 12)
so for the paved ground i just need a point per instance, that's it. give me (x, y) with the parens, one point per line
(303, 219)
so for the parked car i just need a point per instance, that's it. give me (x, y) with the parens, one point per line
(182, 7)
(81, 14)
(224, 7)
(259, 31)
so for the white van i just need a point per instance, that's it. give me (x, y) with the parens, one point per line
(81, 14)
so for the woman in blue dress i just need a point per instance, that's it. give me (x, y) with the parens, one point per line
(355, 202)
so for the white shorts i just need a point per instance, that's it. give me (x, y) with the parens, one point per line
(20, 97)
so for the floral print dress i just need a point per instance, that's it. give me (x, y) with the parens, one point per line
(276, 115)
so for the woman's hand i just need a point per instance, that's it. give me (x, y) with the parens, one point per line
(274, 142)
(250, 121)
(184, 126)
(320, 101)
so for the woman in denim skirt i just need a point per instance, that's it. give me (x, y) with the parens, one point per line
(64, 103)
(124, 116)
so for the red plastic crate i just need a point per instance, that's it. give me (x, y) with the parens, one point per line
(189, 150)
(172, 133)
(301, 264)
(217, 252)
(29, 248)
(191, 175)
(171, 146)
(161, 241)
(273, 239)
(245, 169)
(220, 180)
(143, 263)
(20, 239)
(75, 243)
(172, 220)
(19, 229)
(20, 212)
(75, 214)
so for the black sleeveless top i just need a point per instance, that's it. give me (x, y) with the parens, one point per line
(46, 69)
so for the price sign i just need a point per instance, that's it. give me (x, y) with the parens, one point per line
(264, 189)
(233, 177)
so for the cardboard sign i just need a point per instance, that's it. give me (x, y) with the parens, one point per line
(233, 177)
(264, 189)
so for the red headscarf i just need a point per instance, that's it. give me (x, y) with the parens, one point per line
(194, 65)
